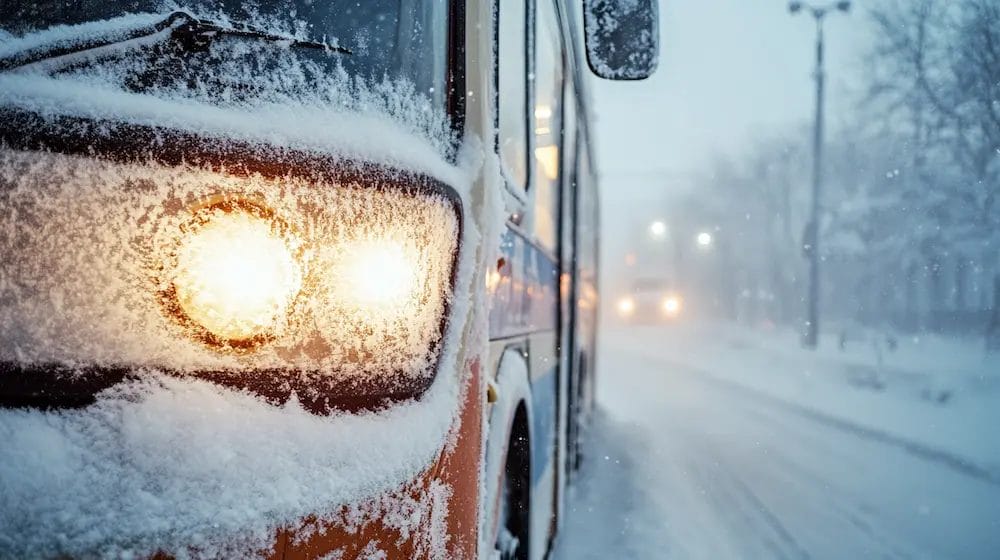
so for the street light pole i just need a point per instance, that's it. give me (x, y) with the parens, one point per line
(810, 338)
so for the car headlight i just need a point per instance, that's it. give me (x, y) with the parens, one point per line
(626, 306)
(672, 305)
(333, 286)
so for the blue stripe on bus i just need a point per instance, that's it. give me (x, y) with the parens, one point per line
(525, 293)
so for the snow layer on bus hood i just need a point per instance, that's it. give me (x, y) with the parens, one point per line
(197, 470)
(371, 137)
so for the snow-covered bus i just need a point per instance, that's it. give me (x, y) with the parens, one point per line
(298, 278)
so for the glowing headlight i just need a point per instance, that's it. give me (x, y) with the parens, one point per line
(672, 305)
(236, 273)
(626, 306)
(379, 274)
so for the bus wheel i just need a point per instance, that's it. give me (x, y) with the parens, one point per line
(515, 506)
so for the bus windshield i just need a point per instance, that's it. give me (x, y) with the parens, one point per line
(388, 41)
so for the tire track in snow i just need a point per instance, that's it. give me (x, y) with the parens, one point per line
(852, 513)
(941, 457)
(772, 521)
(756, 519)
(610, 512)
(857, 516)
(729, 489)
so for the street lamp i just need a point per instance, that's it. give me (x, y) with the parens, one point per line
(704, 240)
(811, 242)
(658, 229)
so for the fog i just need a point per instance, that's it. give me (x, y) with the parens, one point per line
(728, 70)
(721, 432)
(720, 140)
(731, 72)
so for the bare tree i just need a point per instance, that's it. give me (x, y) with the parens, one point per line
(936, 90)
(757, 206)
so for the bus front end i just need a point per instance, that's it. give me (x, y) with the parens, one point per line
(235, 290)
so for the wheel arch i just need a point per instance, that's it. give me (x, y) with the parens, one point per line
(509, 417)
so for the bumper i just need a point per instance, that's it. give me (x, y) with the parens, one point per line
(434, 516)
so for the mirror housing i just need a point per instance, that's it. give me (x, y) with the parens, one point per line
(622, 38)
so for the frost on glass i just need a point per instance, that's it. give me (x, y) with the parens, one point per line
(98, 254)
(622, 38)
(400, 78)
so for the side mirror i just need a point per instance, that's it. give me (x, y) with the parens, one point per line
(623, 38)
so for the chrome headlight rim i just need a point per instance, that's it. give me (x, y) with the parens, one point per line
(201, 215)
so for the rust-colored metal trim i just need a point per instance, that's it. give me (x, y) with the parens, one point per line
(457, 469)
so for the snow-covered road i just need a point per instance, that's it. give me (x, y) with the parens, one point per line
(686, 462)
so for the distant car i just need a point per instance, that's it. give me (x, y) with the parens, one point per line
(650, 300)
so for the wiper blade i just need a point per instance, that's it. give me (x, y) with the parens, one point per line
(192, 33)
(198, 33)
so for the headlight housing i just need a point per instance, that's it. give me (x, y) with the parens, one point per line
(292, 276)
(235, 274)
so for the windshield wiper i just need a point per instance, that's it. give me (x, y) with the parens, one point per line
(199, 33)
(191, 33)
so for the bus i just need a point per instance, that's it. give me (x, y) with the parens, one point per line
(299, 279)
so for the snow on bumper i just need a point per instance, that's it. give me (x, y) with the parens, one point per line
(197, 471)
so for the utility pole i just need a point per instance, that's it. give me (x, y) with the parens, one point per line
(810, 245)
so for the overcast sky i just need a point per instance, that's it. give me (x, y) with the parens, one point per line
(728, 69)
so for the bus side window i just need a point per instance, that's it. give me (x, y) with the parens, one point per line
(547, 119)
(512, 89)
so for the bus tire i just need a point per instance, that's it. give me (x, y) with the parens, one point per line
(514, 538)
